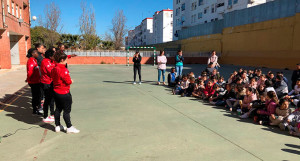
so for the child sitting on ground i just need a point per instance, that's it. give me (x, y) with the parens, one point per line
(294, 95)
(281, 113)
(293, 122)
(263, 115)
(246, 104)
(183, 86)
(209, 90)
(172, 78)
(218, 95)
(199, 89)
(191, 88)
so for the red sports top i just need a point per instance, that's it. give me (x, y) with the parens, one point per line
(61, 79)
(33, 73)
(46, 68)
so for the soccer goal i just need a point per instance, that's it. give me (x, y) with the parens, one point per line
(143, 49)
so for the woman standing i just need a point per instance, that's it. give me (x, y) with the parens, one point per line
(214, 60)
(161, 61)
(137, 66)
(33, 80)
(179, 62)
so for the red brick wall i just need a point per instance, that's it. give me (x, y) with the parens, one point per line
(14, 27)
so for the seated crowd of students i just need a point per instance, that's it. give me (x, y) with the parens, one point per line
(251, 94)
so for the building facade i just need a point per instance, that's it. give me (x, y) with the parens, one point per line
(189, 13)
(14, 32)
(163, 26)
(142, 34)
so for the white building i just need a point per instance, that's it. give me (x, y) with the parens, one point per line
(193, 12)
(142, 34)
(163, 26)
(147, 31)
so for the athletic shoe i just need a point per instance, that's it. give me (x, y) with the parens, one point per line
(140, 83)
(260, 122)
(164, 83)
(72, 129)
(48, 120)
(158, 83)
(212, 103)
(52, 117)
(244, 116)
(60, 128)
(173, 91)
(134, 83)
(40, 110)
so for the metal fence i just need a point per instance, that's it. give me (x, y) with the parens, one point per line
(118, 53)
(131, 53)
(264, 12)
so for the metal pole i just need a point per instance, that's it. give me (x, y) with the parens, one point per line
(127, 57)
(154, 57)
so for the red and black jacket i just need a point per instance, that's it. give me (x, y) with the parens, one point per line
(46, 67)
(61, 79)
(33, 72)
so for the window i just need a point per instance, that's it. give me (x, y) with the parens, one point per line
(194, 5)
(177, 11)
(171, 15)
(229, 2)
(211, 20)
(193, 20)
(182, 19)
(235, 1)
(212, 8)
(20, 12)
(177, 1)
(8, 6)
(183, 7)
(205, 10)
(216, 19)
(17, 13)
(200, 2)
(205, 21)
(199, 15)
(12, 8)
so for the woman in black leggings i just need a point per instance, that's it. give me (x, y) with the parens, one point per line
(137, 66)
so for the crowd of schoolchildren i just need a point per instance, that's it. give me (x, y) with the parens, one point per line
(49, 80)
(265, 98)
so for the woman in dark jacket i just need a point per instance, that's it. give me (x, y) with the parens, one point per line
(137, 66)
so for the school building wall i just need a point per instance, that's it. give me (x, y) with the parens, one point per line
(13, 31)
(273, 43)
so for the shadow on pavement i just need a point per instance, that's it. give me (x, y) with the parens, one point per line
(19, 108)
(294, 151)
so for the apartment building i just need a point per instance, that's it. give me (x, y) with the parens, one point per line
(192, 12)
(163, 26)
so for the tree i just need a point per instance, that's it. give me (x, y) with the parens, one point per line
(39, 34)
(119, 29)
(72, 41)
(87, 25)
(51, 22)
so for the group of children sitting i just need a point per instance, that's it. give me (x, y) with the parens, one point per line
(251, 94)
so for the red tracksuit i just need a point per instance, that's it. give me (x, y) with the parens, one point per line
(209, 91)
(33, 73)
(46, 68)
(61, 79)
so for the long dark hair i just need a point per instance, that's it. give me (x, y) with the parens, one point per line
(60, 55)
(161, 51)
(272, 96)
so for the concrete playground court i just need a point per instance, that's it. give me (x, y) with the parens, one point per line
(120, 121)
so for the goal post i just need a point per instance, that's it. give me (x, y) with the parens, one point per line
(144, 48)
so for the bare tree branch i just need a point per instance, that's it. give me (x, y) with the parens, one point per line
(119, 29)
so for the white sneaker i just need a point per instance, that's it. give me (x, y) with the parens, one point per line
(244, 116)
(72, 129)
(134, 82)
(52, 117)
(48, 120)
(40, 110)
(212, 103)
(60, 128)
(140, 83)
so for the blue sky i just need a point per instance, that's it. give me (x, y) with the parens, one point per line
(134, 10)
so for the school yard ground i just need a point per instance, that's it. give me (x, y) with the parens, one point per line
(124, 122)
